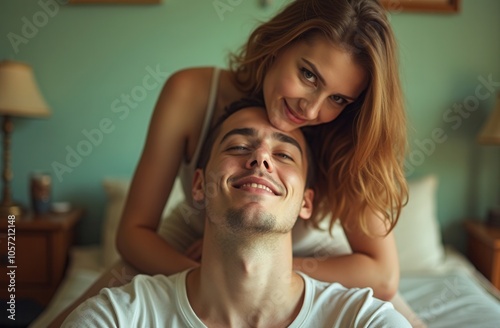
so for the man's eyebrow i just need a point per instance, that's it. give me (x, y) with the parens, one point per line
(242, 131)
(284, 138)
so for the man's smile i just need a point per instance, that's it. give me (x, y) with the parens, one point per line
(255, 184)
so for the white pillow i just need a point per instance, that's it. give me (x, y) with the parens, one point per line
(116, 190)
(417, 233)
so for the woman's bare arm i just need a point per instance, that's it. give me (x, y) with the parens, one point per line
(172, 135)
(373, 263)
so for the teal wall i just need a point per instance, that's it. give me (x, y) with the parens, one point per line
(94, 65)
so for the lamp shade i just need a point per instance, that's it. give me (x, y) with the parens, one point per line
(19, 94)
(490, 133)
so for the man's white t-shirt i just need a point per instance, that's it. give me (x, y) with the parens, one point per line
(161, 301)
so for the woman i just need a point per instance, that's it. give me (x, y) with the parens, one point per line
(329, 65)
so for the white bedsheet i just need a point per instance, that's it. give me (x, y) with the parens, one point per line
(450, 300)
(450, 295)
(453, 294)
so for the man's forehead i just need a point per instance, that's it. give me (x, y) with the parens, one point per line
(256, 118)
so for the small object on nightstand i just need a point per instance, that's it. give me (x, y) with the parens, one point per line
(41, 189)
(483, 249)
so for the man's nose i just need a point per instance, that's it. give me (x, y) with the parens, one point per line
(261, 159)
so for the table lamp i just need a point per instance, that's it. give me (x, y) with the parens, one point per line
(19, 96)
(490, 135)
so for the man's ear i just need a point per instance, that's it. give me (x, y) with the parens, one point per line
(198, 191)
(307, 204)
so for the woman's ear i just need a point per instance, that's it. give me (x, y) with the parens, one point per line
(307, 204)
(198, 191)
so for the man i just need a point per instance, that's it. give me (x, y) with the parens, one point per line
(253, 187)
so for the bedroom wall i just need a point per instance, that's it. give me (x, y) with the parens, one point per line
(102, 67)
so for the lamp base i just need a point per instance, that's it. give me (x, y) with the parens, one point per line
(11, 209)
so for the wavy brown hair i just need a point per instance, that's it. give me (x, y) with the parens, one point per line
(360, 154)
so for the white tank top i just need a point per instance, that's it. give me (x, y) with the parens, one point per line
(186, 171)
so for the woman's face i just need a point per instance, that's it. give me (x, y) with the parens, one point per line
(311, 82)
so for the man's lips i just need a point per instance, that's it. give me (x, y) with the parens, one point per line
(292, 116)
(257, 183)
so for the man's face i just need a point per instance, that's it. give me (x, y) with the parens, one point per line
(255, 177)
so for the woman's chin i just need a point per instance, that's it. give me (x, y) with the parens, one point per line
(281, 123)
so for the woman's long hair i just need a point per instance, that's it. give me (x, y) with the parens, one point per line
(360, 154)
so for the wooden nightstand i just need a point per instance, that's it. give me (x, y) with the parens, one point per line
(41, 250)
(483, 247)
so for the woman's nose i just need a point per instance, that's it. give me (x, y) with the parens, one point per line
(310, 107)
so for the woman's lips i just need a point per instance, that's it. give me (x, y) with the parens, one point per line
(291, 116)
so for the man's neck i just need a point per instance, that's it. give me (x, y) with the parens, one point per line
(252, 285)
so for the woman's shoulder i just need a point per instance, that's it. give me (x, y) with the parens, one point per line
(196, 76)
(192, 86)
(191, 78)
(186, 88)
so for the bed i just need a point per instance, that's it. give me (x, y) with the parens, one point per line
(440, 284)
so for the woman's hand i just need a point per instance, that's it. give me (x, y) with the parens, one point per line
(194, 251)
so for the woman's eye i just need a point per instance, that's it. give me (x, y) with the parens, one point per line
(308, 75)
(339, 100)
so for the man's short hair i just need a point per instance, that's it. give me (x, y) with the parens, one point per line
(230, 110)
